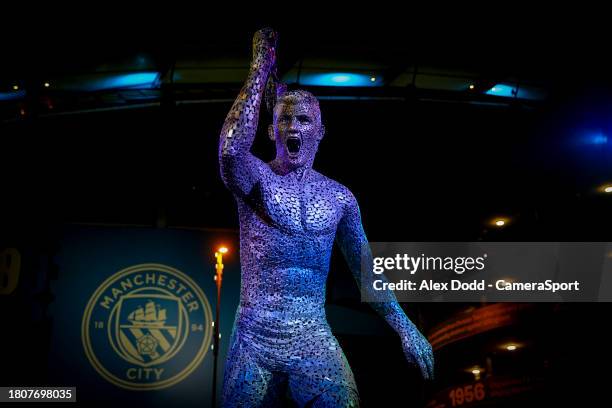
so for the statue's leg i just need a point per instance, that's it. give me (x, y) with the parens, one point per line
(337, 396)
(321, 377)
(313, 393)
(247, 383)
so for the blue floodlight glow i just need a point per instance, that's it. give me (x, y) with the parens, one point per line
(589, 141)
(502, 90)
(339, 79)
(517, 91)
(595, 138)
(9, 96)
(139, 80)
(136, 80)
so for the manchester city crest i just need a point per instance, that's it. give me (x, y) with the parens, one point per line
(147, 327)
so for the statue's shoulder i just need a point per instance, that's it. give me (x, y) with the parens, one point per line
(342, 193)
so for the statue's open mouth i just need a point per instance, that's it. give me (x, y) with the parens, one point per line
(294, 144)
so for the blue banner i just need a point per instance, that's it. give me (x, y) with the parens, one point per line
(133, 314)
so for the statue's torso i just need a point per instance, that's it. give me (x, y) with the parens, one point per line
(307, 206)
(287, 230)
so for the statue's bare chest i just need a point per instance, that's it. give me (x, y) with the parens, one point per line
(300, 206)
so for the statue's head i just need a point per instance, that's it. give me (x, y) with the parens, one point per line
(296, 129)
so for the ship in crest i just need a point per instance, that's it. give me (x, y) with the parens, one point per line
(150, 316)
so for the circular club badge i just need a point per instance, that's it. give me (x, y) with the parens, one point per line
(147, 327)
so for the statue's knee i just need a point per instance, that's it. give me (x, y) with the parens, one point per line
(337, 396)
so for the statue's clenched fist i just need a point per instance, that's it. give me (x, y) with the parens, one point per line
(264, 47)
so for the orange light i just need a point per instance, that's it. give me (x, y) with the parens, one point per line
(499, 222)
(471, 86)
(510, 346)
(223, 250)
(605, 188)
